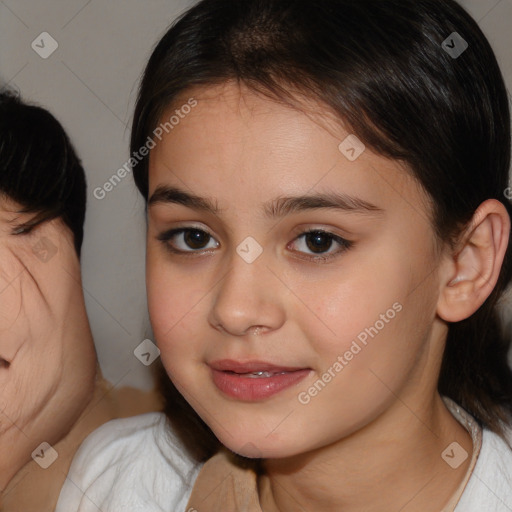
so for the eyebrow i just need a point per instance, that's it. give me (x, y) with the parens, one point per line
(276, 208)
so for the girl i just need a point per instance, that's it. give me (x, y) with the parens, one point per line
(327, 242)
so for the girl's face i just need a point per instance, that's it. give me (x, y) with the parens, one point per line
(282, 340)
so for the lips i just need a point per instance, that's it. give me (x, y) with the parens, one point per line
(254, 380)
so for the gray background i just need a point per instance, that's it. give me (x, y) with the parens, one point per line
(89, 83)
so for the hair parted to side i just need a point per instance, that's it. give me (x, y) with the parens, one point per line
(379, 66)
(39, 168)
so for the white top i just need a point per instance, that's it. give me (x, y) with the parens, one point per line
(487, 487)
(138, 465)
(490, 486)
(129, 465)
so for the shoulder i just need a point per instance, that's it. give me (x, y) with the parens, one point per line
(490, 487)
(133, 464)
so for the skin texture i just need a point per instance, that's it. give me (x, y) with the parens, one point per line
(51, 386)
(372, 438)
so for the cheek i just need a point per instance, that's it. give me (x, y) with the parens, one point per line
(176, 304)
(26, 388)
(10, 294)
(13, 321)
(343, 308)
(375, 316)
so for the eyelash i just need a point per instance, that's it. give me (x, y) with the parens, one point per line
(166, 237)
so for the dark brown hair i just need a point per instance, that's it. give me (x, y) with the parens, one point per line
(39, 167)
(380, 67)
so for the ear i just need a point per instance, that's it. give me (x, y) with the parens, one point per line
(470, 272)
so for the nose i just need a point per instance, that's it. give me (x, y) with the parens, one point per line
(248, 299)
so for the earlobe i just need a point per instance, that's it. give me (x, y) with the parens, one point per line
(475, 266)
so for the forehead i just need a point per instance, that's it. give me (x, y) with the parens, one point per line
(237, 142)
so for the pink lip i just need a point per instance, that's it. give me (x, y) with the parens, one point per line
(231, 378)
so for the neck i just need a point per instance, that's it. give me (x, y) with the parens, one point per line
(31, 487)
(355, 473)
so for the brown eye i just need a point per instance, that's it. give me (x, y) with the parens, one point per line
(196, 239)
(320, 242)
(186, 240)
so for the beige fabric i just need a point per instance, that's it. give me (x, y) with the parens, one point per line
(224, 486)
(471, 425)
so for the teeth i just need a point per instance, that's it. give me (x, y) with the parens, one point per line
(258, 375)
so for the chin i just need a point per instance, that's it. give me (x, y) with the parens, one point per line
(255, 447)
